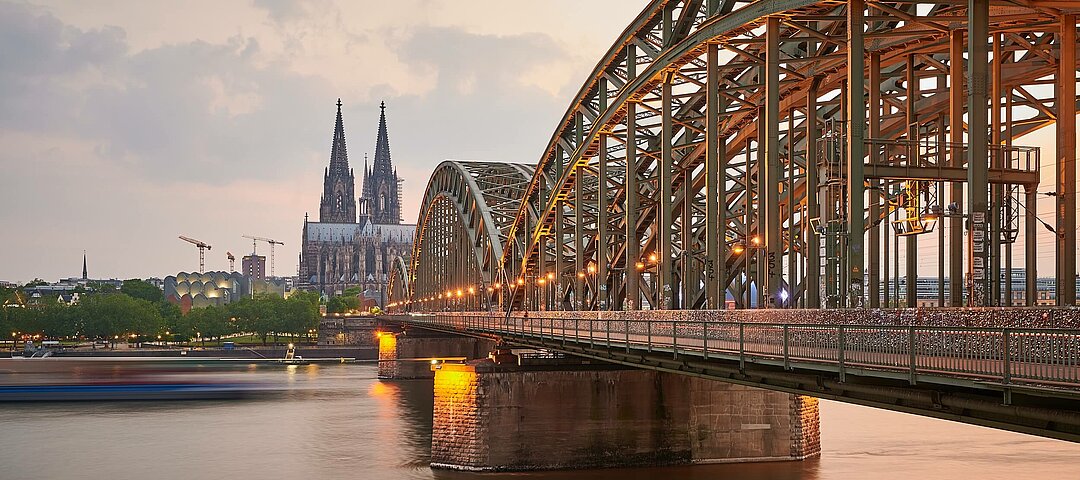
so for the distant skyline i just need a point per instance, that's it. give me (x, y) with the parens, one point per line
(124, 124)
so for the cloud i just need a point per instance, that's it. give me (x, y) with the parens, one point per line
(115, 137)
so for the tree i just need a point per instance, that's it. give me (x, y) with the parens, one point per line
(342, 304)
(140, 289)
(110, 315)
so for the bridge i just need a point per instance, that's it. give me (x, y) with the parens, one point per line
(728, 193)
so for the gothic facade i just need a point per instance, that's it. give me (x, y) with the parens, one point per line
(351, 246)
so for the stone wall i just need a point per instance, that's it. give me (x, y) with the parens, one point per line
(490, 417)
(337, 331)
(404, 356)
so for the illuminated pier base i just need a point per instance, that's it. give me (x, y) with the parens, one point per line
(408, 355)
(492, 417)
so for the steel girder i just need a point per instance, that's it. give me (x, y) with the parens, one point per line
(652, 190)
(399, 284)
(461, 234)
(609, 236)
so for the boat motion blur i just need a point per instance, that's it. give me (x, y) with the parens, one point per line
(125, 378)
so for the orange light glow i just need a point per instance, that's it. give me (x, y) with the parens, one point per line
(652, 257)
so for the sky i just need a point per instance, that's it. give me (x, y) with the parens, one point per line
(125, 124)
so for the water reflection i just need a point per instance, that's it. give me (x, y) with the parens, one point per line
(340, 422)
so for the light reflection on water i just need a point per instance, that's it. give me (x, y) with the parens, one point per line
(340, 422)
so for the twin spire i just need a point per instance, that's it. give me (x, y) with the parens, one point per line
(338, 202)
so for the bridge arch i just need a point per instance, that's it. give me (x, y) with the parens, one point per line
(462, 233)
(704, 162)
(697, 86)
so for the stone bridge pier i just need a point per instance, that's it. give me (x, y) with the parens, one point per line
(492, 417)
(408, 355)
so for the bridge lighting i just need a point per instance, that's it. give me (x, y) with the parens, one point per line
(472, 290)
(652, 257)
(551, 276)
(756, 240)
(783, 295)
(434, 361)
(738, 249)
(540, 281)
(640, 266)
(460, 293)
(581, 274)
(591, 268)
(521, 281)
(497, 286)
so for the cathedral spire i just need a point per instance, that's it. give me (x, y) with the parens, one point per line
(338, 204)
(382, 143)
(84, 264)
(339, 156)
(381, 192)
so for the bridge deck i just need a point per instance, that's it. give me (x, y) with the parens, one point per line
(1030, 372)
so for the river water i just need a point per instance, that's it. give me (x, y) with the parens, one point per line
(341, 422)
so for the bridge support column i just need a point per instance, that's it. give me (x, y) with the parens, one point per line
(491, 417)
(408, 356)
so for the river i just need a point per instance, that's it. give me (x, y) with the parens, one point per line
(341, 422)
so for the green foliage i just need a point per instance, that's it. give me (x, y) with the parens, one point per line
(140, 289)
(353, 291)
(342, 304)
(37, 282)
(107, 315)
(267, 315)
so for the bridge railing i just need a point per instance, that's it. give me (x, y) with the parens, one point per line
(1001, 355)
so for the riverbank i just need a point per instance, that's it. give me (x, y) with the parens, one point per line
(307, 351)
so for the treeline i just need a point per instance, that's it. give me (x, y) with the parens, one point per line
(139, 310)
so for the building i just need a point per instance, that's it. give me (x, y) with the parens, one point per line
(355, 240)
(195, 290)
(254, 266)
(927, 290)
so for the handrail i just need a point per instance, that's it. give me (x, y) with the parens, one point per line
(1005, 355)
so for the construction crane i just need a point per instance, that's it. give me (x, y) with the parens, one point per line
(202, 246)
(232, 262)
(271, 242)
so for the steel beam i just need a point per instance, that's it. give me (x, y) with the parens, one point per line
(603, 302)
(873, 252)
(632, 251)
(977, 165)
(664, 209)
(1066, 162)
(813, 238)
(911, 256)
(856, 124)
(771, 170)
(715, 273)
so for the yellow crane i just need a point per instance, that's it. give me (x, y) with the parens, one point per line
(269, 241)
(202, 246)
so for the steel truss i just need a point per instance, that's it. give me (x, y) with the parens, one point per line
(706, 161)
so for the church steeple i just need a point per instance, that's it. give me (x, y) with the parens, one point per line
(84, 264)
(338, 203)
(381, 191)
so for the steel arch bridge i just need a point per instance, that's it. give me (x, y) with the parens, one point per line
(705, 160)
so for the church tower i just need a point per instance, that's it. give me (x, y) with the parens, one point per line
(381, 193)
(338, 204)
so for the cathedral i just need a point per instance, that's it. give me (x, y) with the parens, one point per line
(356, 240)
